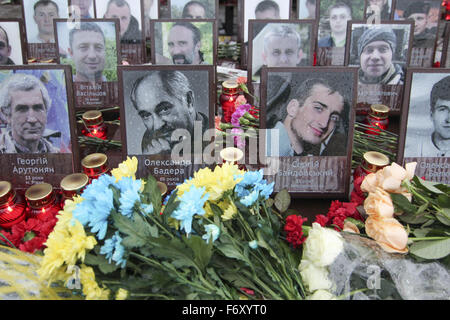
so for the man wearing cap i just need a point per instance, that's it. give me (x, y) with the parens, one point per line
(376, 49)
(418, 11)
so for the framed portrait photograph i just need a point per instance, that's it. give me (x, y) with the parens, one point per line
(38, 16)
(307, 9)
(38, 141)
(151, 12)
(425, 15)
(91, 48)
(193, 9)
(12, 44)
(130, 15)
(332, 29)
(382, 53)
(379, 10)
(82, 9)
(309, 128)
(425, 129)
(184, 42)
(166, 114)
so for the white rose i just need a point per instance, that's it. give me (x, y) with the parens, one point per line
(314, 277)
(321, 295)
(322, 246)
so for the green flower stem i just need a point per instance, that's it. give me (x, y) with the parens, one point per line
(13, 246)
(428, 238)
(264, 286)
(137, 295)
(164, 229)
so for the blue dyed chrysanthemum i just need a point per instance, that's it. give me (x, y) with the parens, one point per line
(252, 187)
(129, 195)
(191, 203)
(211, 231)
(114, 250)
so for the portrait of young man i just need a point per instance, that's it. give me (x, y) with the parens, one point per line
(313, 122)
(377, 56)
(166, 100)
(185, 42)
(39, 17)
(280, 45)
(338, 14)
(129, 14)
(82, 9)
(306, 9)
(24, 103)
(428, 128)
(5, 48)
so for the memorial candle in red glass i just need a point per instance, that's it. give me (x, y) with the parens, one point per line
(228, 97)
(73, 185)
(94, 125)
(12, 206)
(42, 202)
(378, 117)
(94, 165)
(371, 162)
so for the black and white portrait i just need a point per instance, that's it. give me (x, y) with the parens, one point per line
(11, 51)
(193, 9)
(306, 9)
(81, 9)
(279, 44)
(380, 51)
(378, 10)
(184, 42)
(160, 100)
(39, 17)
(312, 117)
(428, 126)
(263, 10)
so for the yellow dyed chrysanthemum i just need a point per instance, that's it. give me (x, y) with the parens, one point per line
(230, 211)
(90, 287)
(121, 294)
(127, 168)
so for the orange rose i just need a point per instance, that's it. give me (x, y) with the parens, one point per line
(388, 233)
(379, 204)
(369, 183)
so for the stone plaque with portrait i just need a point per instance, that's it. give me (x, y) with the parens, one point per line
(38, 141)
(309, 128)
(379, 10)
(40, 33)
(130, 15)
(193, 9)
(278, 43)
(167, 113)
(425, 128)
(184, 41)
(332, 29)
(12, 44)
(91, 48)
(425, 17)
(381, 53)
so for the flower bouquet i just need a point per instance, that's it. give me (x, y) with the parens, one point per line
(213, 237)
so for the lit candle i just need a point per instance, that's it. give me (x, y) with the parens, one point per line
(371, 162)
(94, 165)
(73, 185)
(228, 97)
(377, 117)
(94, 125)
(42, 201)
(12, 206)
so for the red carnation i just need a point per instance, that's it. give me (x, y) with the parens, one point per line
(294, 230)
(322, 220)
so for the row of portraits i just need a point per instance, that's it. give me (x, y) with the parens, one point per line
(168, 122)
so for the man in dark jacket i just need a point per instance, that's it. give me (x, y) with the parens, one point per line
(418, 11)
(129, 25)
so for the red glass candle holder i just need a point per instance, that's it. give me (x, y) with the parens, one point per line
(73, 185)
(371, 162)
(94, 126)
(95, 165)
(228, 97)
(42, 202)
(377, 118)
(12, 206)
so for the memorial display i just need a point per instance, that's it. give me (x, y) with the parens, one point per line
(238, 152)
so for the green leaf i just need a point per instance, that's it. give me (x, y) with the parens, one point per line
(443, 219)
(427, 185)
(282, 200)
(403, 203)
(153, 194)
(216, 209)
(422, 232)
(136, 231)
(230, 251)
(269, 202)
(175, 250)
(101, 262)
(202, 250)
(431, 250)
(444, 200)
(422, 208)
(412, 218)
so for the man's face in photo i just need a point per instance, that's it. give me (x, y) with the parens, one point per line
(311, 7)
(43, 16)
(163, 113)
(378, 3)
(83, 5)
(270, 13)
(441, 118)
(182, 48)
(5, 48)
(338, 20)
(420, 22)
(88, 54)
(282, 52)
(28, 116)
(376, 58)
(195, 11)
(121, 13)
(316, 119)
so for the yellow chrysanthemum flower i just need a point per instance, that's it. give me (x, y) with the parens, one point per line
(121, 294)
(90, 287)
(230, 211)
(127, 168)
